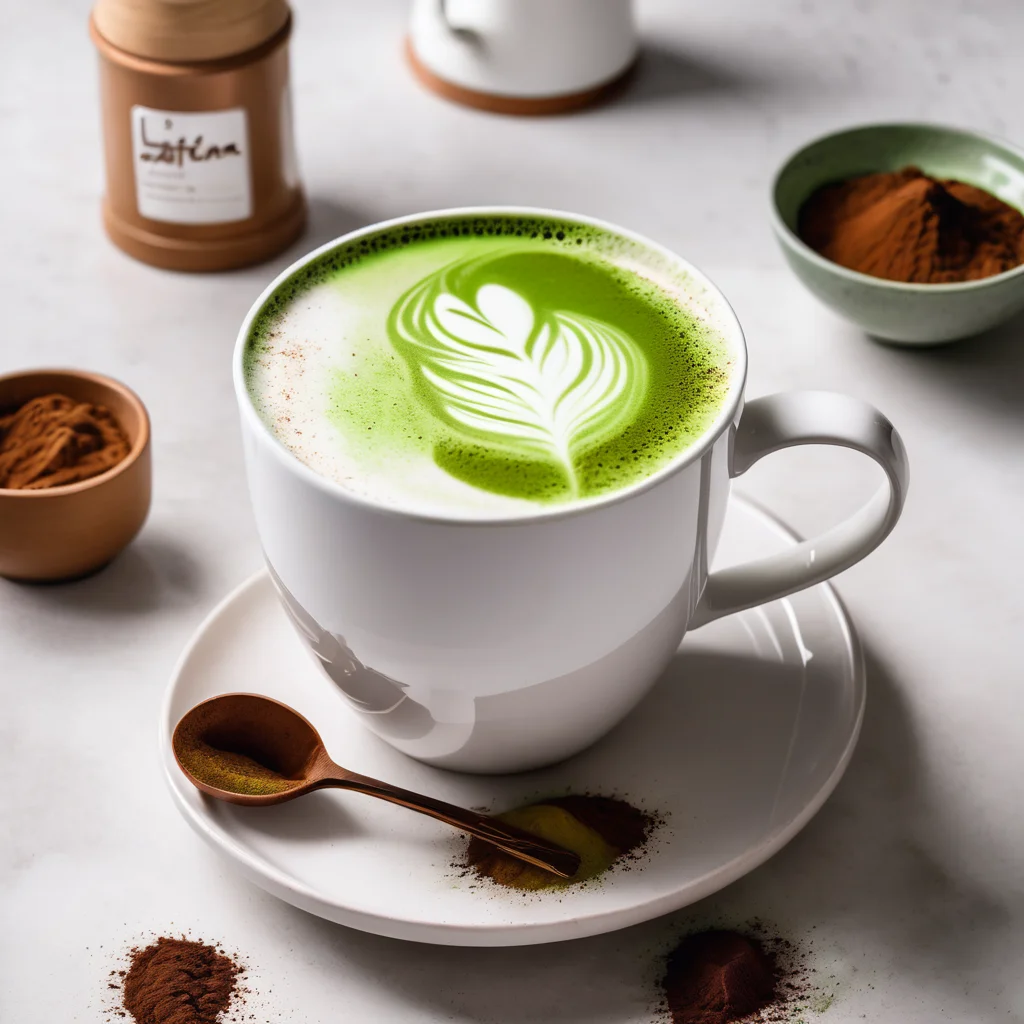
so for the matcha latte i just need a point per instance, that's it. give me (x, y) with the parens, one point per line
(487, 365)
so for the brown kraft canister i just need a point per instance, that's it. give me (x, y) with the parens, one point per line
(197, 126)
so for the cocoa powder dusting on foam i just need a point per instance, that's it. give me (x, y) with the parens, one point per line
(906, 226)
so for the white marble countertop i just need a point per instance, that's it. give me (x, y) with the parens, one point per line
(911, 877)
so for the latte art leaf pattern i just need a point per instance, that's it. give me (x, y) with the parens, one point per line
(538, 383)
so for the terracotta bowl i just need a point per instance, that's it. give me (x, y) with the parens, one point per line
(63, 533)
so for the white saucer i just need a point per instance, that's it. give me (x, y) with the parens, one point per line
(737, 746)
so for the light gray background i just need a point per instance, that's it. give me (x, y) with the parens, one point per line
(910, 878)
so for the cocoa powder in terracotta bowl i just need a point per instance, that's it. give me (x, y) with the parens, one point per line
(71, 529)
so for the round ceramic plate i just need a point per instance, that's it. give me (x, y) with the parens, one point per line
(736, 748)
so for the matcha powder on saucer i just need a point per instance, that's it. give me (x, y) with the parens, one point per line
(602, 830)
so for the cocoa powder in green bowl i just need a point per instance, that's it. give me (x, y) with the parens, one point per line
(895, 311)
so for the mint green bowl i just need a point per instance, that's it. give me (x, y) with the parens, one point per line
(907, 314)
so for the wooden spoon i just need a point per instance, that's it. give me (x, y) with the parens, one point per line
(292, 755)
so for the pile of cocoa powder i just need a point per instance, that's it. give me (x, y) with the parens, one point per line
(723, 976)
(178, 981)
(906, 226)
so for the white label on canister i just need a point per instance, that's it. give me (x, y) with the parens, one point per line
(192, 168)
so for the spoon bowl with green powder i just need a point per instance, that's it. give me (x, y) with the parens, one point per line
(248, 749)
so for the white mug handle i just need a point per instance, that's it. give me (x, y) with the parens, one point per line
(774, 422)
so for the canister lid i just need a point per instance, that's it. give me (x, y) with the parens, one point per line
(188, 30)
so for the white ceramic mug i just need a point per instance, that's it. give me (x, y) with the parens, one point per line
(524, 48)
(503, 645)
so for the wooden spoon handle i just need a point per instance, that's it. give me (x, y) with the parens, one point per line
(514, 841)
